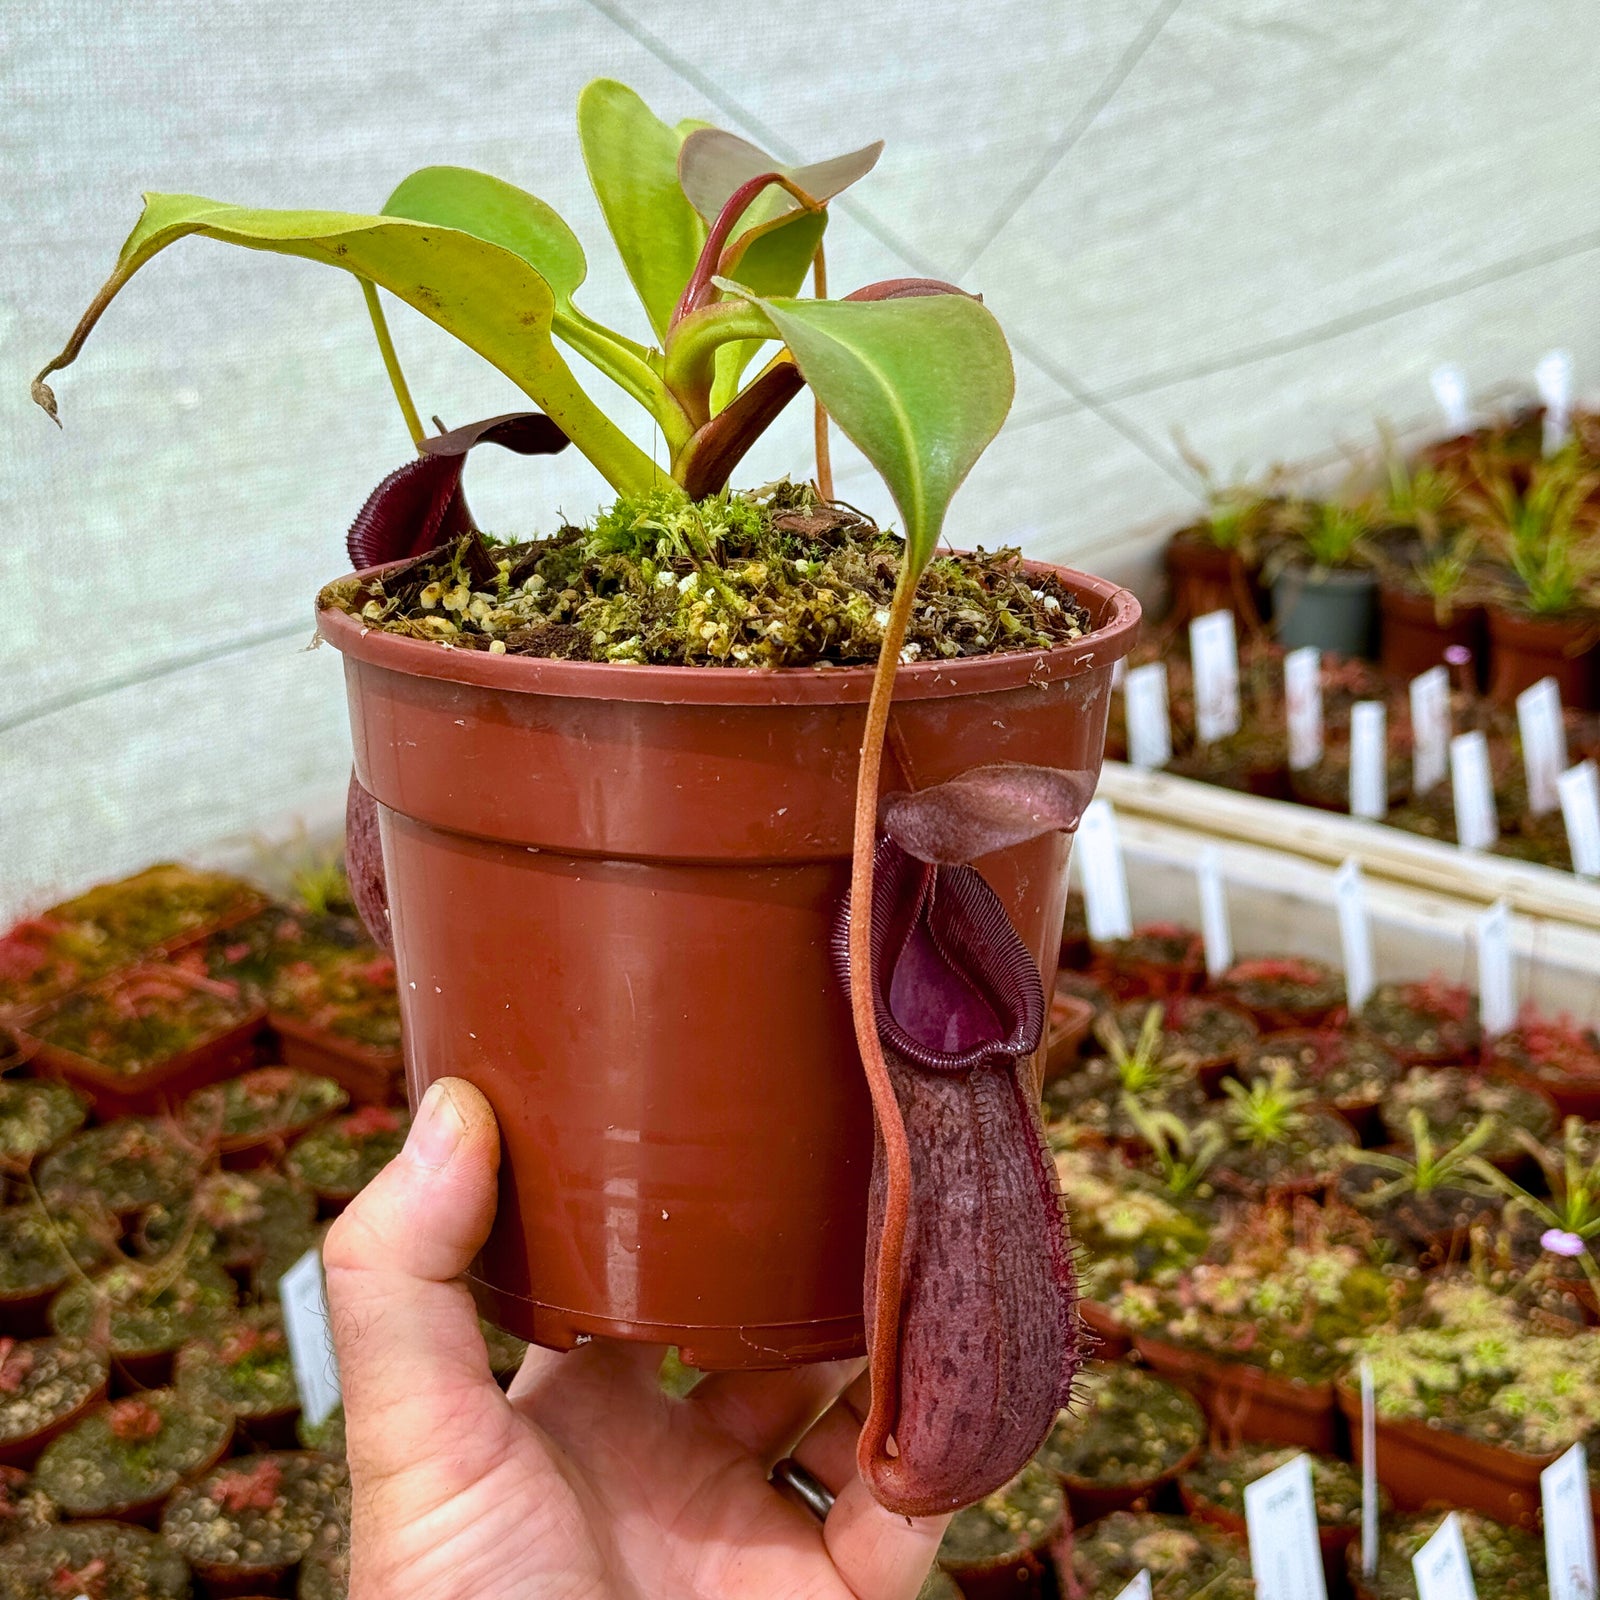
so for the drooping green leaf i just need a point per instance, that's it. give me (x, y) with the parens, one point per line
(485, 295)
(632, 158)
(920, 385)
(489, 208)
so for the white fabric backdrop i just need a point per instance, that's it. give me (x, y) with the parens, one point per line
(1262, 220)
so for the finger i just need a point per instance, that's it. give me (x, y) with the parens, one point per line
(828, 1450)
(405, 1331)
(766, 1412)
(878, 1555)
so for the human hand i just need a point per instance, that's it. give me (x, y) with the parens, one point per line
(586, 1481)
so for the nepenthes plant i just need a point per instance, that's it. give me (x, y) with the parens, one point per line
(970, 1293)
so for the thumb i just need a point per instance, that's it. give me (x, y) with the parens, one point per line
(411, 1357)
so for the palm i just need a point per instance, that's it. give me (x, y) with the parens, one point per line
(587, 1482)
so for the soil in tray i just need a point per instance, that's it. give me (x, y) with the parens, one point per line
(1014, 1525)
(1454, 1101)
(35, 1116)
(255, 1515)
(1343, 1071)
(242, 1367)
(129, 1025)
(1088, 1101)
(43, 957)
(1557, 1054)
(162, 906)
(40, 1250)
(1160, 958)
(1197, 1033)
(150, 1308)
(342, 1157)
(130, 1454)
(43, 1382)
(257, 1107)
(1217, 1481)
(1427, 1220)
(125, 1166)
(1184, 1558)
(1305, 1157)
(102, 1560)
(1252, 761)
(1426, 1022)
(1505, 1561)
(1131, 1431)
(1284, 992)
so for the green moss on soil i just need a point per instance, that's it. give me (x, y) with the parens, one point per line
(126, 1166)
(150, 1307)
(242, 1367)
(342, 1157)
(1341, 1070)
(106, 1560)
(40, 1249)
(35, 1116)
(256, 1512)
(1132, 1428)
(1184, 1558)
(774, 578)
(1455, 1101)
(1024, 1514)
(1219, 1480)
(326, 1436)
(130, 1451)
(162, 904)
(270, 1100)
(1505, 1561)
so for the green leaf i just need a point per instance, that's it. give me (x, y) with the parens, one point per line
(489, 208)
(714, 163)
(485, 295)
(632, 157)
(920, 385)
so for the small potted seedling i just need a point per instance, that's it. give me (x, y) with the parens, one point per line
(1182, 1556)
(247, 1524)
(36, 1116)
(253, 1118)
(1200, 1034)
(252, 1217)
(720, 812)
(46, 1385)
(41, 1249)
(146, 1311)
(1214, 563)
(1279, 1141)
(125, 1167)
(243, 1366)
(139, 1041)
(339, 1159)
(93, 1559)
(1003, 1545)
(1504, 1560)
(22, 1507)
(1341, 1071)
(128, 1455)
(1089, 1103)
(1324, 588)
(1454, 1101)
(1157, 959)
(164, 908)
(1425, 1023)
(1556, 1055)
(1284, 991)
(1132, 1433)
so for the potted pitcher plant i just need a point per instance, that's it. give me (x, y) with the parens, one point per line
(670, 817)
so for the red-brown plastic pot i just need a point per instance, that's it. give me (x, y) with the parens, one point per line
(612, 891)
(162, 1084)
(1523, 649)
(1333, 1541)
(1089, 1500)
(1206, 577)
(1071, 1017)
(1423, 1466)
(1247, 1402)
(370, 1076)
(1412, 639)
(25, 1449)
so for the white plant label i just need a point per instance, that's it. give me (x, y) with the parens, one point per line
(1569, 1527)
(1369, 759)
(1140, 1588)
(1149, 728)
(1544, 744)
(1441, 1567)
(1214, 925)
(1450, 393)
(1477, 825)
(1369, 1470)
(1302, 691)
(1355, 934)
(1214, 651)
(305, 1321)
(1497, 984)
(1579, 788)
(1430, 728)
(1103, 873)
(1553, 379)
(1281, 1518)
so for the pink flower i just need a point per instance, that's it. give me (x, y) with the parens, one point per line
(1559, 1242)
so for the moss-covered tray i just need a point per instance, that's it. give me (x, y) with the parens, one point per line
(41, 958)
(252, 1118)
(1004, 1543)
(35, 1116)
(124, 1167)
(1454, 1101)
(1184, 1559)
(104, 1560)
(338, 1160)
(127, 1456)
(251, 1215)
(244, 1367)
(253, 1519)
(41, 1249)
(46, 1385)
(163, 908)
(1505, 1561)
(139, 1041)
(1345, 1072)
(1284, 991)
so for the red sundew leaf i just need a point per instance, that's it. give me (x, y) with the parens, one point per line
(420, 506)
(984, 810)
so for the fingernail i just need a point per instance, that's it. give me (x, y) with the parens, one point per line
(437, 1129)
